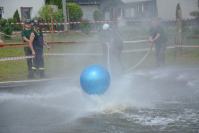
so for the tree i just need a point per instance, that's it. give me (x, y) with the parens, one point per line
(70, 1)
(58, 16)
(55, 2)
(46, 13)
(74, 11)
(97, 15)
(16, 16)
(195, 14)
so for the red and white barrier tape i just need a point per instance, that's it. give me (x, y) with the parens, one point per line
(65, 23)
(15, 58)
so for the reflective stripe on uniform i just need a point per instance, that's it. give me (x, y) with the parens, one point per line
(34, 68)
(41, 68)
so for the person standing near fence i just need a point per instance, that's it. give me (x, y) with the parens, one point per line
(26, 33)
(158, 38)
(36, 43)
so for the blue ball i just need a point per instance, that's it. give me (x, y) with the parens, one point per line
(95, 79)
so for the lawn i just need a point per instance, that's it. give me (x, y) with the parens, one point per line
(72, 64)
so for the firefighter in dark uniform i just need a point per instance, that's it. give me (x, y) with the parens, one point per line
(37, 43)
(112, 46)
(158, 38)
(26, 32)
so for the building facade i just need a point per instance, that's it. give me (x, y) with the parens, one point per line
(146, 9)
(88, 8)
(139, 9)
(112, 9)
(27, 8)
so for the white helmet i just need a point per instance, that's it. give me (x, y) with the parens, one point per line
(105, 26)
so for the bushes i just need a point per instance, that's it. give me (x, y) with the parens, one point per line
(85, 26)
(2, 24)
(47, 13)
(97, 15)
(74, 14)
(6, 27)
(58, 16)
(195, 29)
(195, 14)
(16, 16)
(7, 30)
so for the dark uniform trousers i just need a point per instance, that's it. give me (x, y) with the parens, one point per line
(28, 52)
(38, 61)
(160, 54)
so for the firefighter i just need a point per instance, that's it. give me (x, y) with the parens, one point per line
(37, 42)
(26, 32)
(112, 45)
(158, 38)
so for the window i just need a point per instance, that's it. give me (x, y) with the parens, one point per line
(1, 12)
(26, 13)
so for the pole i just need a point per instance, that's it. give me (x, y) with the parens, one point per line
(65, 14)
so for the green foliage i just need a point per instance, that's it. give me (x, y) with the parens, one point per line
(195, 14)
(196, 31)
(12, 24)
(7, 29)
(55, 2)
(58, 16)
(10, 21)
(46, 13)
(2, 24)
(97, 15)
(16, 16)
(85, 26)
(70, 1)
(74, 11)
(7, 26)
